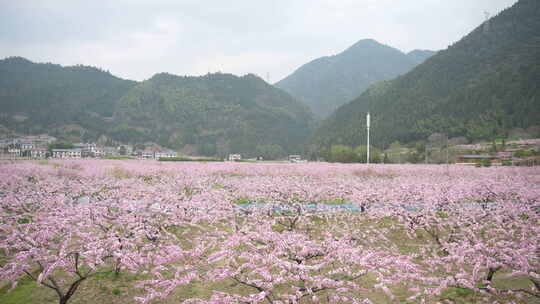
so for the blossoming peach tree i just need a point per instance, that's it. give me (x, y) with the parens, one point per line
(273, 233)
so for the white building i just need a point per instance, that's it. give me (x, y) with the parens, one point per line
(147, 154)
(38, 152)
(166, 154)
(67, 153)
(295, 159)
(14, 151)
(235, 157)
(26, 146)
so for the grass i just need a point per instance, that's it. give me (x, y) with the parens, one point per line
(242, 201)
(21, 294)
(337, 201)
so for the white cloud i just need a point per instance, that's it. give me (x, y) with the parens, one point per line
(136, 39)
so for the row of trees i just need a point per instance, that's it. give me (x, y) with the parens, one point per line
(415, 235)
(346, 154)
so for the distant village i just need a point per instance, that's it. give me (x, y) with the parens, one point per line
(518, 152)
(38, 146)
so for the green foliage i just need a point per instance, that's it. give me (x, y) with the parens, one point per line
(479, 88)
(506, 162)
(485, 163)
(375, 155)
(457, 294)
(24, 220)
(213, 115)
(270, 151)
(337, 201)
(216, 115)
(61, 145)
(523, 153)
(346, 154)
(342, 154)
(21, 294)
(36, 97)
(242, 201)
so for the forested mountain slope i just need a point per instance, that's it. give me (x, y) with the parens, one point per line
(480, 87)
(37, 97)
(214, 114)
(329, 82)
(211, 115)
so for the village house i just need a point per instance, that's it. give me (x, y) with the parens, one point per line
(26, 146)
(67, 153)
(295, 158)
(89, 149)
(166, 154)
(14, 150)
(235, 157)
(125, 150)
(38, 152)
(147, 154)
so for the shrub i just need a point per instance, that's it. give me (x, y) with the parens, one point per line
(523, 153)
(486, 163)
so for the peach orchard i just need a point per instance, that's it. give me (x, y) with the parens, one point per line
(274, 233)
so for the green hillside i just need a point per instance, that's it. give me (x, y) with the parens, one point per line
(42, 98)
(480, 87)
(214, 114)
(329, 82)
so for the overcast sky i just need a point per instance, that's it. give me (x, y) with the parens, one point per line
(135, 39)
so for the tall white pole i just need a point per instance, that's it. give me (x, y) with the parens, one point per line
(368, 124)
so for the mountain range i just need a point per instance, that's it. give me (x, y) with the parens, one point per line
(328, 82)
(480, 87)
(214, 114)
(210, 115)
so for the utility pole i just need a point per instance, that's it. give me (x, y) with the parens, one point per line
(368, 125)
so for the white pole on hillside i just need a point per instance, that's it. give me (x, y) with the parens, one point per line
(368, 124)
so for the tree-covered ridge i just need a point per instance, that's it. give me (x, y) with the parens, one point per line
(214, 114)
(420, 56)
(36, 97)
(210, 115)
(480, 87)
(329, 82)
